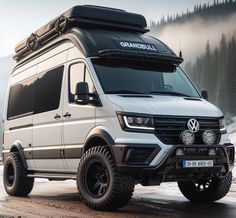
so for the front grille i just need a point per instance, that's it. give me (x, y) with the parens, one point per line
(168, 129)
(230, 152)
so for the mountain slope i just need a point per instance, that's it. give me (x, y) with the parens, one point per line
(216, 11)
(6, 64)
(191, 31)
(207, 38)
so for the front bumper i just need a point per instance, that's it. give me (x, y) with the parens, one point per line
(170, 168)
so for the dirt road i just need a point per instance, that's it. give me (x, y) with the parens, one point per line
(60, 199)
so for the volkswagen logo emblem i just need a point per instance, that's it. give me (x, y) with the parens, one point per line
(193, 125)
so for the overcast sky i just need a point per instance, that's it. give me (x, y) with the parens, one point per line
(19, 18)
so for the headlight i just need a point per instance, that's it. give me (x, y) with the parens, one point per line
(136, 122)
(222, 124)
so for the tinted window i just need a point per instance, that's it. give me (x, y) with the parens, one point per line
(48, 90)
(21, 98)
(142, 77)
(79, 73)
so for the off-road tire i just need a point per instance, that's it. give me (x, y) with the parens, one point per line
(216, 189)
(15, 180)
(119, 189)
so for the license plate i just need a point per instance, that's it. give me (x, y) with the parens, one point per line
(197, 163)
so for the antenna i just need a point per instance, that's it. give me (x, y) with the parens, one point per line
(180, 52)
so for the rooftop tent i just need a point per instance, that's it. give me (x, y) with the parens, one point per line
(86, 16)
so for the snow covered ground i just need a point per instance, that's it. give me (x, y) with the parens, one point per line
(232, 131)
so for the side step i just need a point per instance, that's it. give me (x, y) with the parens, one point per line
(53, 176)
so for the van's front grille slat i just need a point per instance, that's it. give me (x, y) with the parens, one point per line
(169, 129)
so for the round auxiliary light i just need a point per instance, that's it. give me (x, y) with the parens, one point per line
(187, 137)
(209, 137)
(212, 152)
(179, 152)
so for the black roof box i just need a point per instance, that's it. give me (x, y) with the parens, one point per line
(81, 16)
(104, 14)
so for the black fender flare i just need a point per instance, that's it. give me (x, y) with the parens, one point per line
(102, 134)
(17, 146)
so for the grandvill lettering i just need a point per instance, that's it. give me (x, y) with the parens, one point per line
(142, 46)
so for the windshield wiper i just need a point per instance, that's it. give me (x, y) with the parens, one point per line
(123, 92)
(170, 93)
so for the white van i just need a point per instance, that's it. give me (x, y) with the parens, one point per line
(95, 99)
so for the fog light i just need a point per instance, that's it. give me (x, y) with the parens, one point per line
(209, 137)
(179, 152)
(187, 137)
(212, 152)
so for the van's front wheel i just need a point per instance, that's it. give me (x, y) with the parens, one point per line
(16, 182)
(100, 185)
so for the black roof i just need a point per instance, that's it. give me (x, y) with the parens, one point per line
(101, 31)
(117, 43)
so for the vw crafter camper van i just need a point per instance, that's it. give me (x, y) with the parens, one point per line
(94, 98)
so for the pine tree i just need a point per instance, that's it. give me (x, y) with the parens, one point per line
(215, 70)
(220, 100)
(231, 77)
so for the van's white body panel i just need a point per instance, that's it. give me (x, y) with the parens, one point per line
(163, 105)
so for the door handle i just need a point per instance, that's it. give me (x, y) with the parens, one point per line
(67, 115)
(57, 116)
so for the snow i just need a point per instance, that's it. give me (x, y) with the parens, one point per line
(232, 130)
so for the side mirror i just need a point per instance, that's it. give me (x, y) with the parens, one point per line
(82, 93)
(204, 94)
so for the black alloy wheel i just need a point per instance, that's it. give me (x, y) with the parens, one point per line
(97, 178)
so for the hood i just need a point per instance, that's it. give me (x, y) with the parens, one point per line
(165, 105)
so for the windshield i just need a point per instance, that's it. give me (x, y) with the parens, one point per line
(142, 77)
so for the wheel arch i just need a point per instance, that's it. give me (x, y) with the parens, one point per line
(99, 137)
(17, 147)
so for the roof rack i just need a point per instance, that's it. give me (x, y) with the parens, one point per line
(87, 16)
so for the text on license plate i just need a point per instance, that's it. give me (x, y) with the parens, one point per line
(197, 163)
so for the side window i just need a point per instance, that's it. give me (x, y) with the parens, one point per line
(89, 81)
(78, 73)
(48, 90)
(21, 98)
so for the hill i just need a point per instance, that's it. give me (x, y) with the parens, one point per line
(215, 70)
(6, 64)
(206, 37)
(216, 11)
(191, 31)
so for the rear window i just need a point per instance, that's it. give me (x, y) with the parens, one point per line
(21, 98)
(36, 94)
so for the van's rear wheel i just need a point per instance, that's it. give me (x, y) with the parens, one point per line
(16, 182)
(100, 185)
(206, 190)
